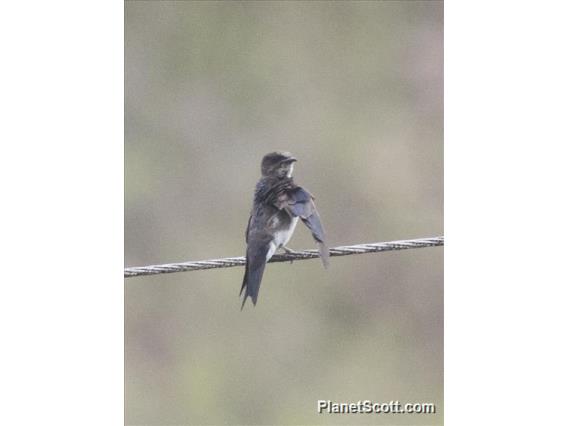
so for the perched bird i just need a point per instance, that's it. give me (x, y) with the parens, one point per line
(278, 203)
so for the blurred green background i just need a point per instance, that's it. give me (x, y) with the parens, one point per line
(355, 91)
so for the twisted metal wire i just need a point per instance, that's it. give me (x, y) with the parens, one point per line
(229, 262)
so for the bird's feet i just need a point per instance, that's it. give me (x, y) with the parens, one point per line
(289, 251)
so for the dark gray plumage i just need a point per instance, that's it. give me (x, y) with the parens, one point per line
(278, 203)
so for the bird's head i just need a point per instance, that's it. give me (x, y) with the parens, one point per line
(278, 164)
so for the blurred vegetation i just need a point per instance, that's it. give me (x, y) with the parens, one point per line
(355, 91)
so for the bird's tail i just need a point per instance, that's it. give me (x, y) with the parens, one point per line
(251, 281)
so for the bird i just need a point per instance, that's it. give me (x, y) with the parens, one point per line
(277, 206)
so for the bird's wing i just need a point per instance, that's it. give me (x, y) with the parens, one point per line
(247, 230)
(300, 203)
(257, 249)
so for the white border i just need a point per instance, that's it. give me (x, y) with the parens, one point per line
(506, 212)
(62, 227)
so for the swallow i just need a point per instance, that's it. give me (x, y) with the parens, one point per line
(278, 204)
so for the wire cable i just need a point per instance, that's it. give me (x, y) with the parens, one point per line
(230, 262)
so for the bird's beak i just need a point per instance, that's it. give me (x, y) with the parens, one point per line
(290, 160)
